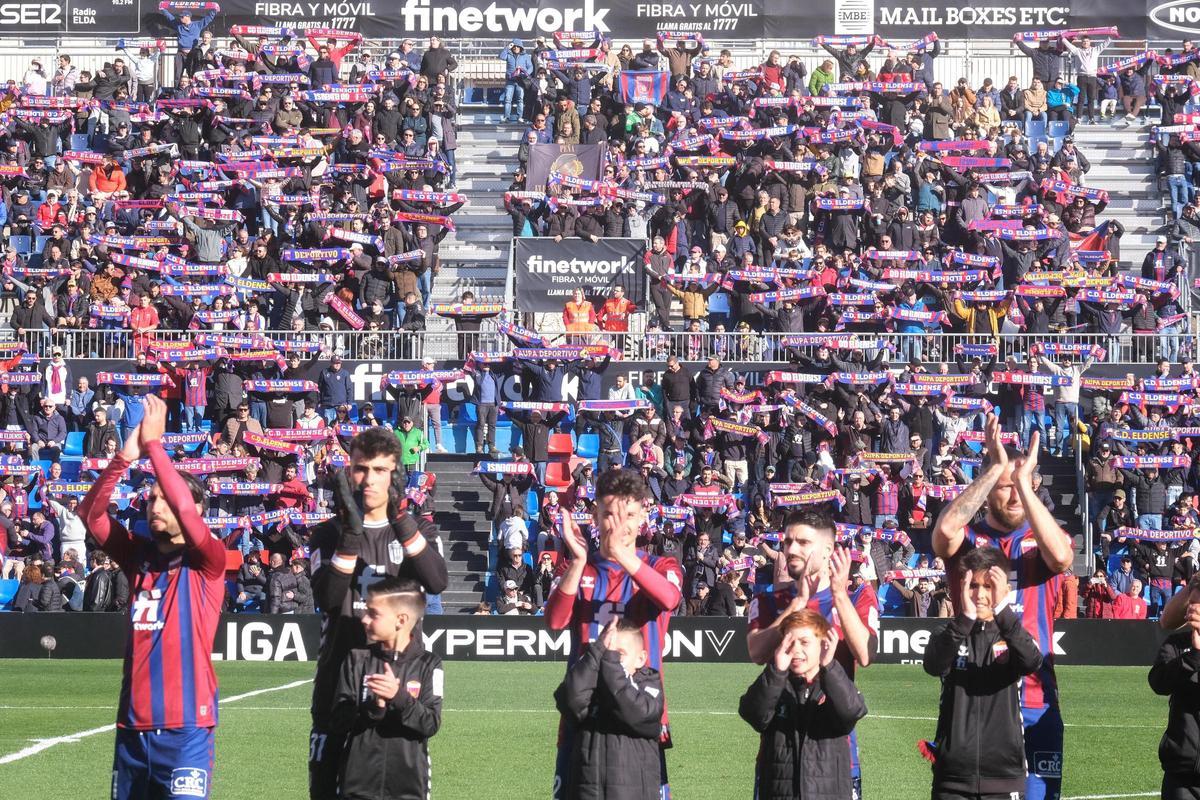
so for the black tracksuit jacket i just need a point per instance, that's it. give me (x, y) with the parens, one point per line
(980, 741)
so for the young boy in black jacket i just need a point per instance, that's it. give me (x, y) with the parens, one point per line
(1176, 672)
(804, 706)
(981, 656)
(617, 703)
(389, 699)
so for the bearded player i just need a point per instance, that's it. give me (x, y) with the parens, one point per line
(371, 537)
(168, 709)
(820, 580)
(617, 581)
(1038, 552)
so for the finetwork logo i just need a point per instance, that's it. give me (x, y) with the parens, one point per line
(540, 265)
(421, 15)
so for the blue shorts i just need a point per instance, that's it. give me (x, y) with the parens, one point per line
(163, 764)
(1043, 752)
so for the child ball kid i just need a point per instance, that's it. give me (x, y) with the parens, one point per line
(389, 699)
(804, 707)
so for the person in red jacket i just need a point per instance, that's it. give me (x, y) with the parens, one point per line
(143, 319)
(614, 314)
(1130, 605)
(293, 492)
(106, 179)
(1098, 596)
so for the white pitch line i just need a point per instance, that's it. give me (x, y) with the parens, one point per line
(1112, 796)
(678, 712)
(40, 745)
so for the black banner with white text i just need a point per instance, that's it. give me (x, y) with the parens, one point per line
(717, 20)
(253, 637)
(546, 272)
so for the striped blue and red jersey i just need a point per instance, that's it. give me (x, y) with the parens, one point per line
(1036, 586)
(887, 496)
(607, 591)
(1033, 400)
(194, 382)
(766, 607)
(175, 606)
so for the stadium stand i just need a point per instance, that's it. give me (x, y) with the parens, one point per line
(836, 257)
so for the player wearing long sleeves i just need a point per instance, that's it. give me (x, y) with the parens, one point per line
(168, 709)
(1038, 550)
(616, 580)
(820, 582)
(371, 539)
(617, 703)
(981, 657)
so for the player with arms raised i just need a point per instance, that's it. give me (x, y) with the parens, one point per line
(372, 537)
(615, 581)
(1038, 551)
(820, 580)
(168, 709)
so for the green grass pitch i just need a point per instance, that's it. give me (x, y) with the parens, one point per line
(499, 726)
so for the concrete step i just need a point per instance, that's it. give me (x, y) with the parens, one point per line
(473, 252)
(1132, 204)
(484, 187)
(488, 169)
(1100, 174)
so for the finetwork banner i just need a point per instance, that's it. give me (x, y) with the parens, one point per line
(504, 18)
(546, 273)
(623, 19)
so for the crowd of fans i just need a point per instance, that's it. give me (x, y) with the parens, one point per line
(276, 186)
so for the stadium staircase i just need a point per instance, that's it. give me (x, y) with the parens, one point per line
(461, 516)
(1060, 477)
(1122, 162)
(475, 256)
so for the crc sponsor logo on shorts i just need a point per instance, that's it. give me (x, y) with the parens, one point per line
(1047, 763)
(189, 782)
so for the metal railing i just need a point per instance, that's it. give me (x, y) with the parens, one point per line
(1085, 506)
(741, 348)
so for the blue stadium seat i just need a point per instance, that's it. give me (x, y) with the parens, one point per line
(531, 504)
(1035, 129)
(1058, 128)
(74, 443)
(504, 438)
(588, 445)
(22, 244)
(468, 414)
(8, 590)
(71, 467)
(79, 141)
(39, 244)
(456, 438)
